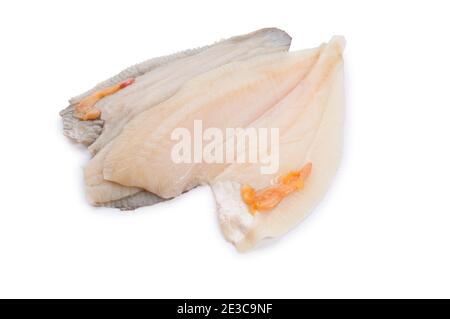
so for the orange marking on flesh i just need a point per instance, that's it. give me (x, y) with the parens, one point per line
(268, 198)
(86, 110)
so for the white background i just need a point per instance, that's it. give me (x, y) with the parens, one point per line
(383, 229)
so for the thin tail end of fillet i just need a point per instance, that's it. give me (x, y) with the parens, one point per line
(278, 35)
(272, 35)
(338, 41)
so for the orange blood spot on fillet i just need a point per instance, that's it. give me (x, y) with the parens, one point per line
(86, 110)
(268, 198)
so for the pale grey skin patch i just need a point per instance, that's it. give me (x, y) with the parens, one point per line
(83, 132)
(134, 201)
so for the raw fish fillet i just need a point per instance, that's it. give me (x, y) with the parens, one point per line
(160, 78)
(310, 119)
(247, 82)
(237, 94)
